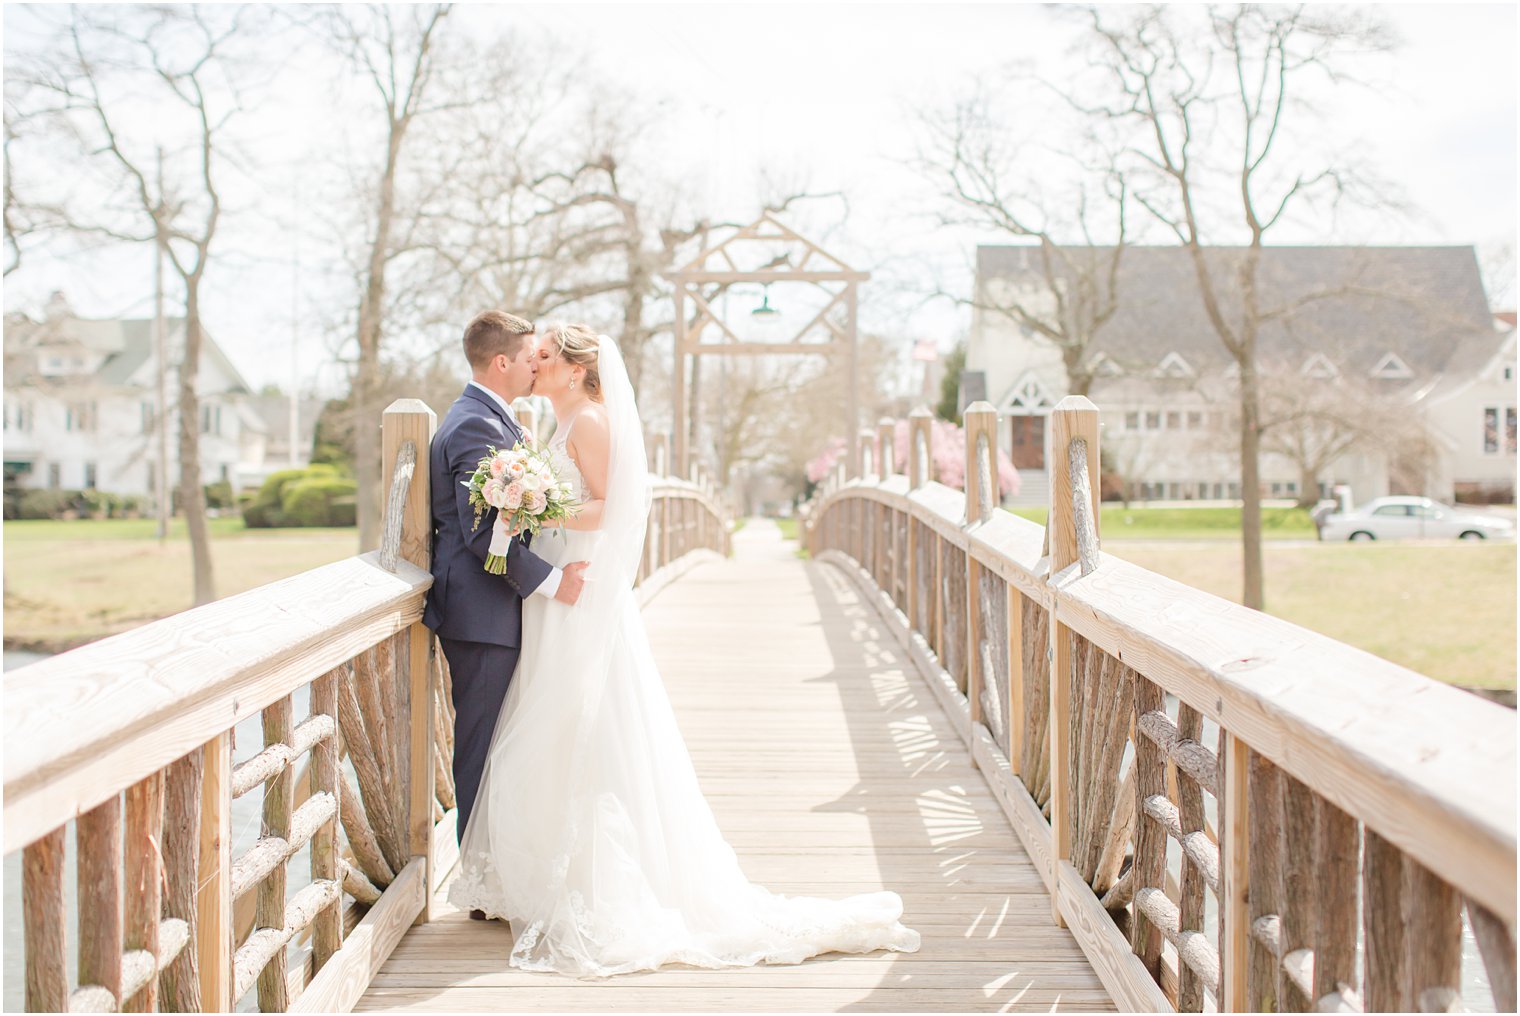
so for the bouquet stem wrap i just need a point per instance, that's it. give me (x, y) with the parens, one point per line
(501, 542)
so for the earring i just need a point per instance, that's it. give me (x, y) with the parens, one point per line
(572, 382)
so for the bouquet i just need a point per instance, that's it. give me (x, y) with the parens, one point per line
(522, 486)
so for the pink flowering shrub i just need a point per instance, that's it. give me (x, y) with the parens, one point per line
(947, 457)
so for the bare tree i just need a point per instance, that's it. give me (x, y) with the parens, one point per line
(1079, 233)
(86, 94)
(1313, 422)
(1214, 107)
(395, 51)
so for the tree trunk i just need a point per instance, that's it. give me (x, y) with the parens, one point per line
(192, 495)
(632, 339)
(1308, 485)
(1252, 594)
(366, 377)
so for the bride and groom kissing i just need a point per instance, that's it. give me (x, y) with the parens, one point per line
(581, 821)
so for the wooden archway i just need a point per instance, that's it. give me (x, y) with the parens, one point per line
(765, 251)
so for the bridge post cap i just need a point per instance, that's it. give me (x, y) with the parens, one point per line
(409, 406)
(981, 406)
(886, 421)
(920, 413)
(1074, 404)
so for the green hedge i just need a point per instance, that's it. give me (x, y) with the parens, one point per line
(315, 496)
(50, 503)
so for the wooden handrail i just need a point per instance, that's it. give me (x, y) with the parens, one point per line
(150, 713)
(1357, 741)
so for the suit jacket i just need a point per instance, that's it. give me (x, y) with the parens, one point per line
(467, 602)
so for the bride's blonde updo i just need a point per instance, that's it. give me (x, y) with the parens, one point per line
(579, 345)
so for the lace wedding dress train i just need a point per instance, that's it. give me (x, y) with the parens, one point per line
(591, 834)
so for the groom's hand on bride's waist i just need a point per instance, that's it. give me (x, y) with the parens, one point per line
(571, 583)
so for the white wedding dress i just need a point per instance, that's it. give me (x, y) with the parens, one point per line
(590, 833)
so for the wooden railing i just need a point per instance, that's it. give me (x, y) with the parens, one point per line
(1329, 816)
(131, 738)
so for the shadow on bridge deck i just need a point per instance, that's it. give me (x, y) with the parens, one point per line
(832, 771)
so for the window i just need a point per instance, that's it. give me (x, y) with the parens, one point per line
(1395, 510)
(1390, 367)
(1491, 430)
(55, 475)
(147, 417)
(1509, 430)
(1173, 420)
(1194, 420)
(79, 416)
(1319, 366)
(89, 476)
(1291, 487)
(1173, 365)
(211, 419)
(1234, 490)
(1276, 488)
(1218, 492)
(1152, 419)
(1509, 372)
(1131, 421)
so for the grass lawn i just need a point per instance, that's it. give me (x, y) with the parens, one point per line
(67, 583)
(1444, 609)
(1119, 523)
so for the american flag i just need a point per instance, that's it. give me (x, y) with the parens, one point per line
(924, 349)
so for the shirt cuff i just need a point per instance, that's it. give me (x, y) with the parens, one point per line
(550, 585)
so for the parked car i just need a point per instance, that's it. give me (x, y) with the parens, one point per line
(1413, 518)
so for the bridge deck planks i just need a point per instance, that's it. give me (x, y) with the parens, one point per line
(832, 771)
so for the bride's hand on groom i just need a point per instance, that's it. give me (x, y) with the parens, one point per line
(571, 582)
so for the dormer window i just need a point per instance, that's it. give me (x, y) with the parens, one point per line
(1103, 365)
(1173, 365)
(1029, 396)
(1392, 368)
(1320, 367)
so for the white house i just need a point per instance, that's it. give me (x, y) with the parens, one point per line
(81, 405)
(1393, 338)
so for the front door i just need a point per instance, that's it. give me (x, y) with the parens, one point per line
(1027, 449)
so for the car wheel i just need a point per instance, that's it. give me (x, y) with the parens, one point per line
(1361, 534)
(1472, 534)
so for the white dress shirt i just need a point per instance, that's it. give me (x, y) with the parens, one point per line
(550, 585)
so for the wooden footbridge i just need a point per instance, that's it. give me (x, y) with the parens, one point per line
(1094, 788)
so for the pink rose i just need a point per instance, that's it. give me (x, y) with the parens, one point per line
(497, 465)
(515, 467)
(491, 490)
(512, 496)
(535, 501)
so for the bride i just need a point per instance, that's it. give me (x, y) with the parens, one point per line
(590, 834)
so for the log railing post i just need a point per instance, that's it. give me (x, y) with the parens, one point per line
(981, 442)
(1235, 876)
(527, 416)
(410, 420)
(98, 833)
(144, 902)
(865, 456)
(1073, 417)
(920, 447)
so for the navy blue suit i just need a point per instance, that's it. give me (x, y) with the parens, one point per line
(477, 615)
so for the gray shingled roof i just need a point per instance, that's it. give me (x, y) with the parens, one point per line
(1425, 304)
(128, 343)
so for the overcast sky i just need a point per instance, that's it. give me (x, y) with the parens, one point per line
(818, 94)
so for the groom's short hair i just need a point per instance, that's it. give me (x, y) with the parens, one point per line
(493, 333)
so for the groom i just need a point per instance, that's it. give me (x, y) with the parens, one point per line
(476, 615)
